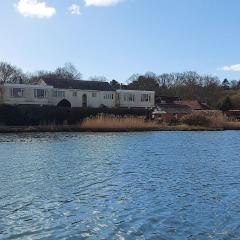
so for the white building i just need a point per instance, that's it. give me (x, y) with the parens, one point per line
(74, 93)
(24, 94)
(135, 99)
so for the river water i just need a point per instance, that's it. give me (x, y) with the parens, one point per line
(152, 185)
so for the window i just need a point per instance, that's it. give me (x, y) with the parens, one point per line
(40, 93)
(129, 97)
(59, 94)
(149, 97)
(94, 94)
(108, 96)
(74, 94)
(145, 98)
(17, 92)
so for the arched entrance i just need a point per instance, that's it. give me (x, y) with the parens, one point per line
(64, 103)
(84, 100)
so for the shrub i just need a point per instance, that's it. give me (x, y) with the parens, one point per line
(235, 99)
(174, 122)
(196, 119)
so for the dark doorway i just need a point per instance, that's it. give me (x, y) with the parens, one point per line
(84, 101)
(64, 103)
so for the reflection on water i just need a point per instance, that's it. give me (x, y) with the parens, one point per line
(160, 185)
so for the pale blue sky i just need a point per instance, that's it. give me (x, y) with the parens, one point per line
(133, 36)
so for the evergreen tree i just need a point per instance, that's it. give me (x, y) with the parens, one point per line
(227, 104)
(225, 84)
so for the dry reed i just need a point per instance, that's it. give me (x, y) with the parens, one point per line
(211, 119)
(232, 125)
(108, 122)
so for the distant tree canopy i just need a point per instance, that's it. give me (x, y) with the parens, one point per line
(68, 72)
(144, 83)
(98, 78)
(187, 85)
(115, 84)
(10, 73)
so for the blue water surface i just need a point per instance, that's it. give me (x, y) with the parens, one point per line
(152, 185)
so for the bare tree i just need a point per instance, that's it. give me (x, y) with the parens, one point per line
(98, 78)
(133, 78)
(9, 73)
(37, 76)
(68, 71)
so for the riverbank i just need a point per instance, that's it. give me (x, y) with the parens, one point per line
(108, 123)
(74, 128)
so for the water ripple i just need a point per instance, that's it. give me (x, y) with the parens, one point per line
(171, 185)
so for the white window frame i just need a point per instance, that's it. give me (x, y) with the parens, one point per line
(59, 94)
(36, 95)
(145, 97)
(108, 96)
(21, 95)
(129, 97)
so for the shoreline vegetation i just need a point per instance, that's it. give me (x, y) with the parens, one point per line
(110, 123)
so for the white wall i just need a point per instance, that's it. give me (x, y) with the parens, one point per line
(1, 94)
(114, 99)
(76, 101)
(137, 103)
(28, 94)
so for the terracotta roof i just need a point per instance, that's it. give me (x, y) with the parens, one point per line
(194, 105)
(79, 84)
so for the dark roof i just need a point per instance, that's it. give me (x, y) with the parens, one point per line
(167, 99)
(79, 84)
(174, 108)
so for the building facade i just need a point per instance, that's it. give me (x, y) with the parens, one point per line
(74, 93)
(135, 99)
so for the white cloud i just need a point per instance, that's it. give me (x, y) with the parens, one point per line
(231, 68)
(74, 9)
(35, 8)
(101, 3)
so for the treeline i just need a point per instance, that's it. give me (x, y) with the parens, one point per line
(12, 74)
(187, 85)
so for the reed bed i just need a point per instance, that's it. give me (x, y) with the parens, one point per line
(232, 125)
(211, 119)
(217, 120)
(108, 122)
(114, 123)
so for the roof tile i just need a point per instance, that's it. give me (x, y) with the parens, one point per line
(79, 84)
